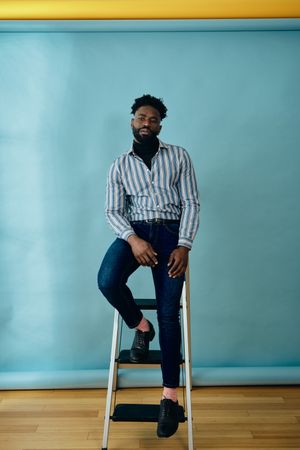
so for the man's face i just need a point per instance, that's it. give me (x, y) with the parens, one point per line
(145, 124)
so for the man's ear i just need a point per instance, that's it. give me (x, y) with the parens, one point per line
(131, 122)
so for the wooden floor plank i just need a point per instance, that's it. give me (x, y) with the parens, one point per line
(48, 437)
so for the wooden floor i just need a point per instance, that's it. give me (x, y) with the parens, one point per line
(224, 418)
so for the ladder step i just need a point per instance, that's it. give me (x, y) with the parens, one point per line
(140, 413)
(154, 357)
(146, 303)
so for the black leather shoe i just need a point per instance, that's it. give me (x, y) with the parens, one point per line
(140, 346)
(167, 418)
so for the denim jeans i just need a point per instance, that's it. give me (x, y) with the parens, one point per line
(119, 263)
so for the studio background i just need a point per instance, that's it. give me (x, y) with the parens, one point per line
(233, 101)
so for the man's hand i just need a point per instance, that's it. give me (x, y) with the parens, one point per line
(142, 251)
(178, 262)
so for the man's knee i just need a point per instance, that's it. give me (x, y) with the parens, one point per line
(106, 283)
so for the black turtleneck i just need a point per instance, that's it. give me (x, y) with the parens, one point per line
(146, 150)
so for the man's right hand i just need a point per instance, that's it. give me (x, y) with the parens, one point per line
(142, 251)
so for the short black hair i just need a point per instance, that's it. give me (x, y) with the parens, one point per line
(149, 100)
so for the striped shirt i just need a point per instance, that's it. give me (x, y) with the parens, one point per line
(167, 191)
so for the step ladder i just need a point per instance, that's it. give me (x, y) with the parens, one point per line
(142, 412)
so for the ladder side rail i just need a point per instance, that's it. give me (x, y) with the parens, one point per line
(188, 310)
(117, 354)
(111, 379)
(187, 369)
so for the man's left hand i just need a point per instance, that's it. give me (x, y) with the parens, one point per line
(178, 262)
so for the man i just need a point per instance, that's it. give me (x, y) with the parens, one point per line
(152, 205)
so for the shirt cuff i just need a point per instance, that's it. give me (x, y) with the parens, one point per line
(185, 242)
(125, 234)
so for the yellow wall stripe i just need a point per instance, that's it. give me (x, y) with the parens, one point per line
(154, 9)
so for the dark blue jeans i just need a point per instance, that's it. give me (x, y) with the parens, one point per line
(119, 263)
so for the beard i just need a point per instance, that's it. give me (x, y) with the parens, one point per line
(144, 138)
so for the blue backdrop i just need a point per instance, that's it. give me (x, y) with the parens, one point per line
(234, 102)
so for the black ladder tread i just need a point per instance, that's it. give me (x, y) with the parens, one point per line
(127, 412)
(154, 357)
(147, 303)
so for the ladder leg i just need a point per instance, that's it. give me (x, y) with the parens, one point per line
(111, 379)
(187, 366)
(188, 314)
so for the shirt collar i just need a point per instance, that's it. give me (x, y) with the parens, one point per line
(161, 146)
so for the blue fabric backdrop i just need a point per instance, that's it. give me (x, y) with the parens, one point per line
(234, 103)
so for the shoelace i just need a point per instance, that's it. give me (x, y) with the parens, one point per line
(167, 408)
(140, 338)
